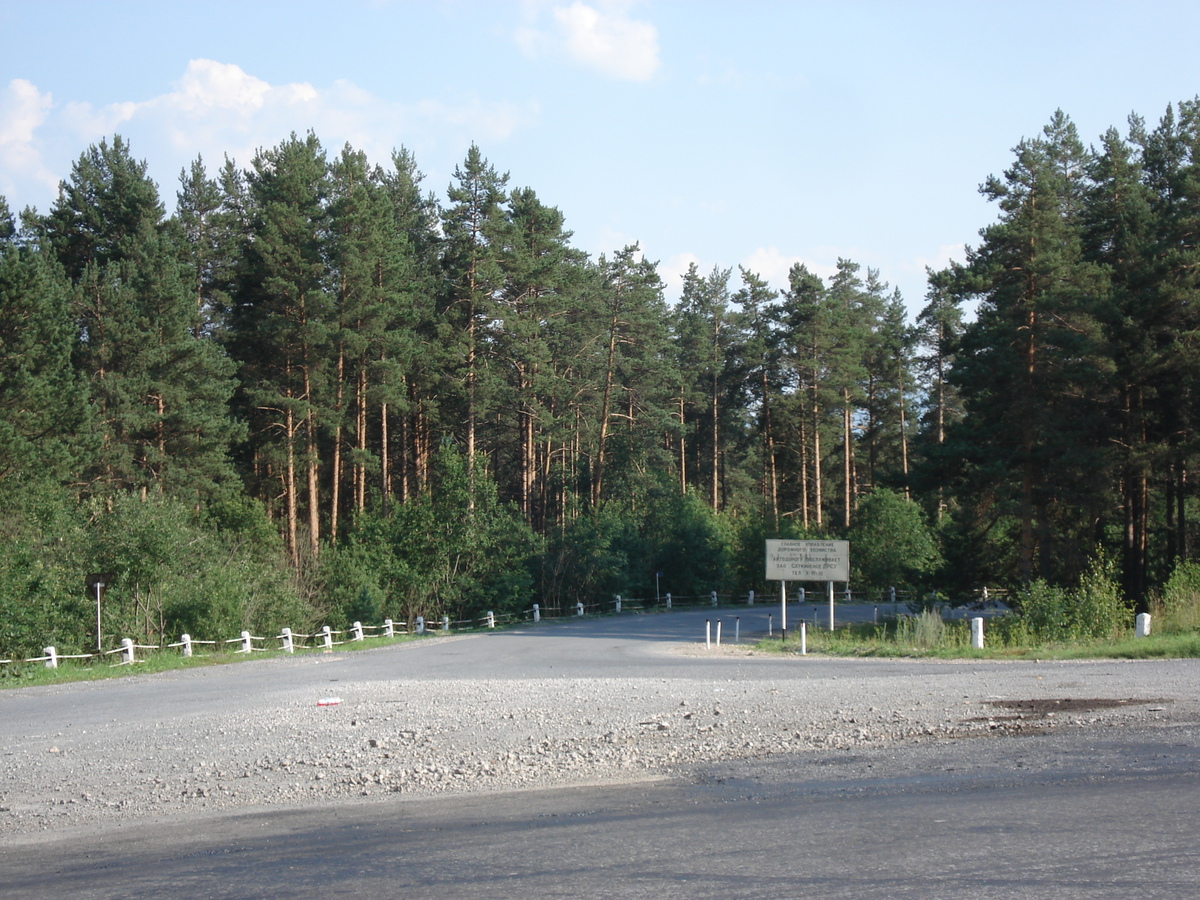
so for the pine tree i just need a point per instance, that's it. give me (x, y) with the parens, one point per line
(281, 327)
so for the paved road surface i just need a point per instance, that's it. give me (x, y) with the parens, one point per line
(1083, 813)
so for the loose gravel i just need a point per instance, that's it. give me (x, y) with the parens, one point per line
(434, 737)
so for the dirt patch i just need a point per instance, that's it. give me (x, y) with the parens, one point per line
(1044, 707)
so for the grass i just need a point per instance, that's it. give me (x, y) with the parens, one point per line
(29, 674)
(923, 638)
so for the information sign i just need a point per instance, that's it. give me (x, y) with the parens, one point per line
(808, 560)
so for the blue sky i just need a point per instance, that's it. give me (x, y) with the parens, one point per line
(751, 133)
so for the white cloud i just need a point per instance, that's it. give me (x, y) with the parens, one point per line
(23, 109)
(217, 109)
(605, 39)
(772, 265)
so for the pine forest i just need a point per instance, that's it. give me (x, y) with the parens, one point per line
(317, 391)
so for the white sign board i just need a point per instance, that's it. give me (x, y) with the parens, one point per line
(808, 560)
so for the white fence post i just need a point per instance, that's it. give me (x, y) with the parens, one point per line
(445, 623)
(737, 629)
(713, 596)
(847, 594)
(356, 632)
(718, 632)
(668, 599)
(537, 612)
(1143, 625)
(750, 599)
(327, 637)
(389, 628)
(285, 637)
(51, 657)
(579, 609)
(127, 650)
(420, 624)
(246, 645)
(185, 644)
(977, 632)
(800, 595)
(491, 619)
(618, 602)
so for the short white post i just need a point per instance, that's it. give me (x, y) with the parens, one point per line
(803, 637)
(420, 624)
(750, 598)
(445, 623)
(718, 632)
(737, 629)
(327, 637)
(389, 628)
(846, 593)
(668, 599)
(579, 609)
(246, 645)
(800, 595)
(51, 657)
(708, 634)
(185, 644)
(537, 613)
(285, 639)
(1143, 625)
(356, 631)
(491, 619)
(713, 597)
(977, 632)
(770, 626)
(831, 606)
(126, 650)
(618, 602)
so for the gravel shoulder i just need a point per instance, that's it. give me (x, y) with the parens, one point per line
(107, 753)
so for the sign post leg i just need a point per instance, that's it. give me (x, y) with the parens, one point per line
(783, 608)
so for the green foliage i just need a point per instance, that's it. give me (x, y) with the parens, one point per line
(891, 545)
(1093, 610)
(1178, 607)
(455, 550)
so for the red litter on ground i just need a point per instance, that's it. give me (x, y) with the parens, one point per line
(329, 701)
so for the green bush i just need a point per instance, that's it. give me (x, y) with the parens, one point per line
(1178, 608)
(1094, 610)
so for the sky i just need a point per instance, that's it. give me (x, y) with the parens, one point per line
(747, 133)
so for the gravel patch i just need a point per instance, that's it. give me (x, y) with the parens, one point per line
(430, 737)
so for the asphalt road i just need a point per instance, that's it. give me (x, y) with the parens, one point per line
(1075, 813)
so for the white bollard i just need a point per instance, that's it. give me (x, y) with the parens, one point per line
(185, 644)
(126, 650)
(1143, 625)
(668, 599)
(846, 593)
(356, 631)
(537, 613)
(737, 629)
(420, 624)
(803, 638)
(246, 645)
(285, 638)
(718, 632)
(800, 595)
(445, 623)
(51, 657)
(618, 602)
(750, 598)
(713, 597)
(491, 619)
(579, 609)
(708, 634)
(327, 637)
(389, 628)
(977, 632)
(770, 626)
